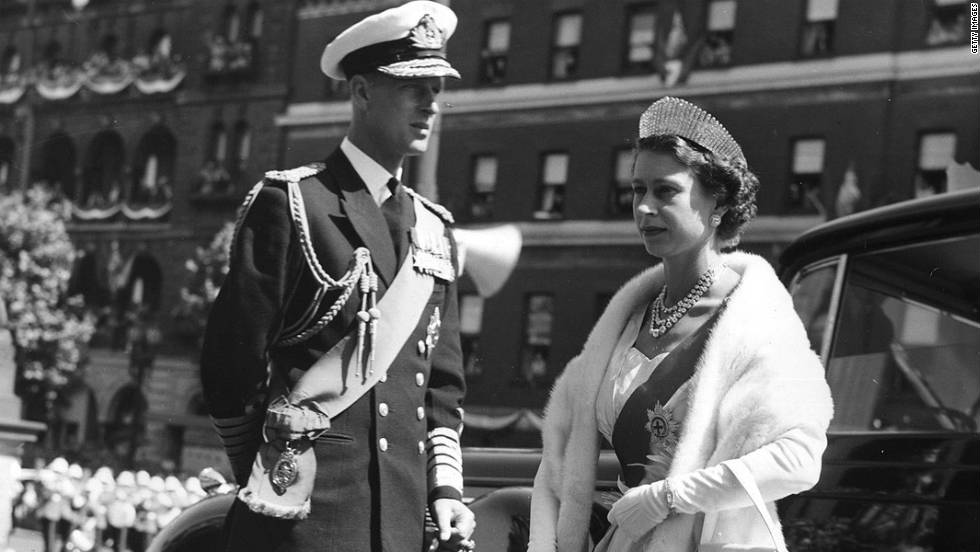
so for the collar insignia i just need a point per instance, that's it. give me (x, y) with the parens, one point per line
(426, 35)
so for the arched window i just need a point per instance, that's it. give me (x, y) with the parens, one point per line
(232, 23)
(6, 164)
(52, 52)
(243, 147)
(214, 178)
(256, 19)
(143, 287)
(10, 62)
(127, 415)
(153, 168)
(104, 171)
(56, 165)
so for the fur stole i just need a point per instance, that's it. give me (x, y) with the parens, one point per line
(756, 379)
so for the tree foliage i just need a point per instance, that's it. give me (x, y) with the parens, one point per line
(206, 271)
(50, 329)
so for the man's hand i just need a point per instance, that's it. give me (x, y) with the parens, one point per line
(454, 520)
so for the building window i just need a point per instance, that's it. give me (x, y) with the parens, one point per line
(817, 38)
(214, 180)
(243, 146)
(947, 22)
(565, 45)
(256, 19)
(622, 188)
(58, 165)
(551, 192)
(484, 186)
(806, 175)
(470, 326)
(153, 175)
(717, 48)
(936, 152)
(9, 65)
(641, 35)
(230, 50)
(7, 148)
(538, 320)
(496, 43)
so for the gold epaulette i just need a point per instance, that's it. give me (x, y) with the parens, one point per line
(297, 174)
(439, 210)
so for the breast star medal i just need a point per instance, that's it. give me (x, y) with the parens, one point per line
(663, 429)
(285, 470)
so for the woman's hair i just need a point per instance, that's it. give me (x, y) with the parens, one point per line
(732, 184)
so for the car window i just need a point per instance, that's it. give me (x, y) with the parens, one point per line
(812, 291)
(907, 340)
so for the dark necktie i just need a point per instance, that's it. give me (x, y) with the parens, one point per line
(392, 210)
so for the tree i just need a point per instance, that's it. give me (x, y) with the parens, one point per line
(206, 272)
(50, 329)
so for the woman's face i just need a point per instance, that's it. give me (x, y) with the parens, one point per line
(670, 206)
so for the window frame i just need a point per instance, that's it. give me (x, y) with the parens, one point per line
(798, 179)
(808, 24)
(477, 197)
(492, 59)
(557, 49)
(543, 187)
(636, 68)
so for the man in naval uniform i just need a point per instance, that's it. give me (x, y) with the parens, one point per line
(331, 362)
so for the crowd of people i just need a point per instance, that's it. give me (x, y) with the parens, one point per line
(78, 509)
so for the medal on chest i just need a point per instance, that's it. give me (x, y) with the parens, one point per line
(663, 430)
(432, 255)
(431, 335)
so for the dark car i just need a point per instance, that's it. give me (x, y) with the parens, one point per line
(890, 298)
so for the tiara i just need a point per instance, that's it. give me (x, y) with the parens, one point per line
(670, 115)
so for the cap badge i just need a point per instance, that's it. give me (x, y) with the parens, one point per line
(426, 35)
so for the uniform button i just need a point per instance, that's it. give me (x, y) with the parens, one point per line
(383, 409)
(383, 378)
(383, 444)
(421, 447)
(420, 413)
(419, 379)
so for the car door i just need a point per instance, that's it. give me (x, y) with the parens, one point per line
(899, 334)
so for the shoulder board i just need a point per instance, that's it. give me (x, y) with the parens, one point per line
(297, 174)
(443, 213)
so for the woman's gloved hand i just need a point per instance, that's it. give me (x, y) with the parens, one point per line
(639, 510)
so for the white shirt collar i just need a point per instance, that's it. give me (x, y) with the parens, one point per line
(374, 175)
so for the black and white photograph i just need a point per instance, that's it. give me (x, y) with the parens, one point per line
(489, 275)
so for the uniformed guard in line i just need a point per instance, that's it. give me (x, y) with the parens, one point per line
(331, 362)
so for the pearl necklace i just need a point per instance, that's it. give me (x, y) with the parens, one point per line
(663, 318)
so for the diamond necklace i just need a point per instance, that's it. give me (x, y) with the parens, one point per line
(663, 318)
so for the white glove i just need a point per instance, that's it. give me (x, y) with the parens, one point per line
(639, 510)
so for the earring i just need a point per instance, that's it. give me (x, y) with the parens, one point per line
(715, 220)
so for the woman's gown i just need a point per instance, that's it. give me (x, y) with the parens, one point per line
(640, 409)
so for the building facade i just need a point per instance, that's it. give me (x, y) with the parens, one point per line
(156, 117)
(839, 105)
(153, 119)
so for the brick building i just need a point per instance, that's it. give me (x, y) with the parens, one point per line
(873, 95)
(153, 118)
(868, 95)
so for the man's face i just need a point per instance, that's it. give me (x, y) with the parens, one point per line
(400, 113)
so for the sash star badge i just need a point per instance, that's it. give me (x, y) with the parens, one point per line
(663, 429)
